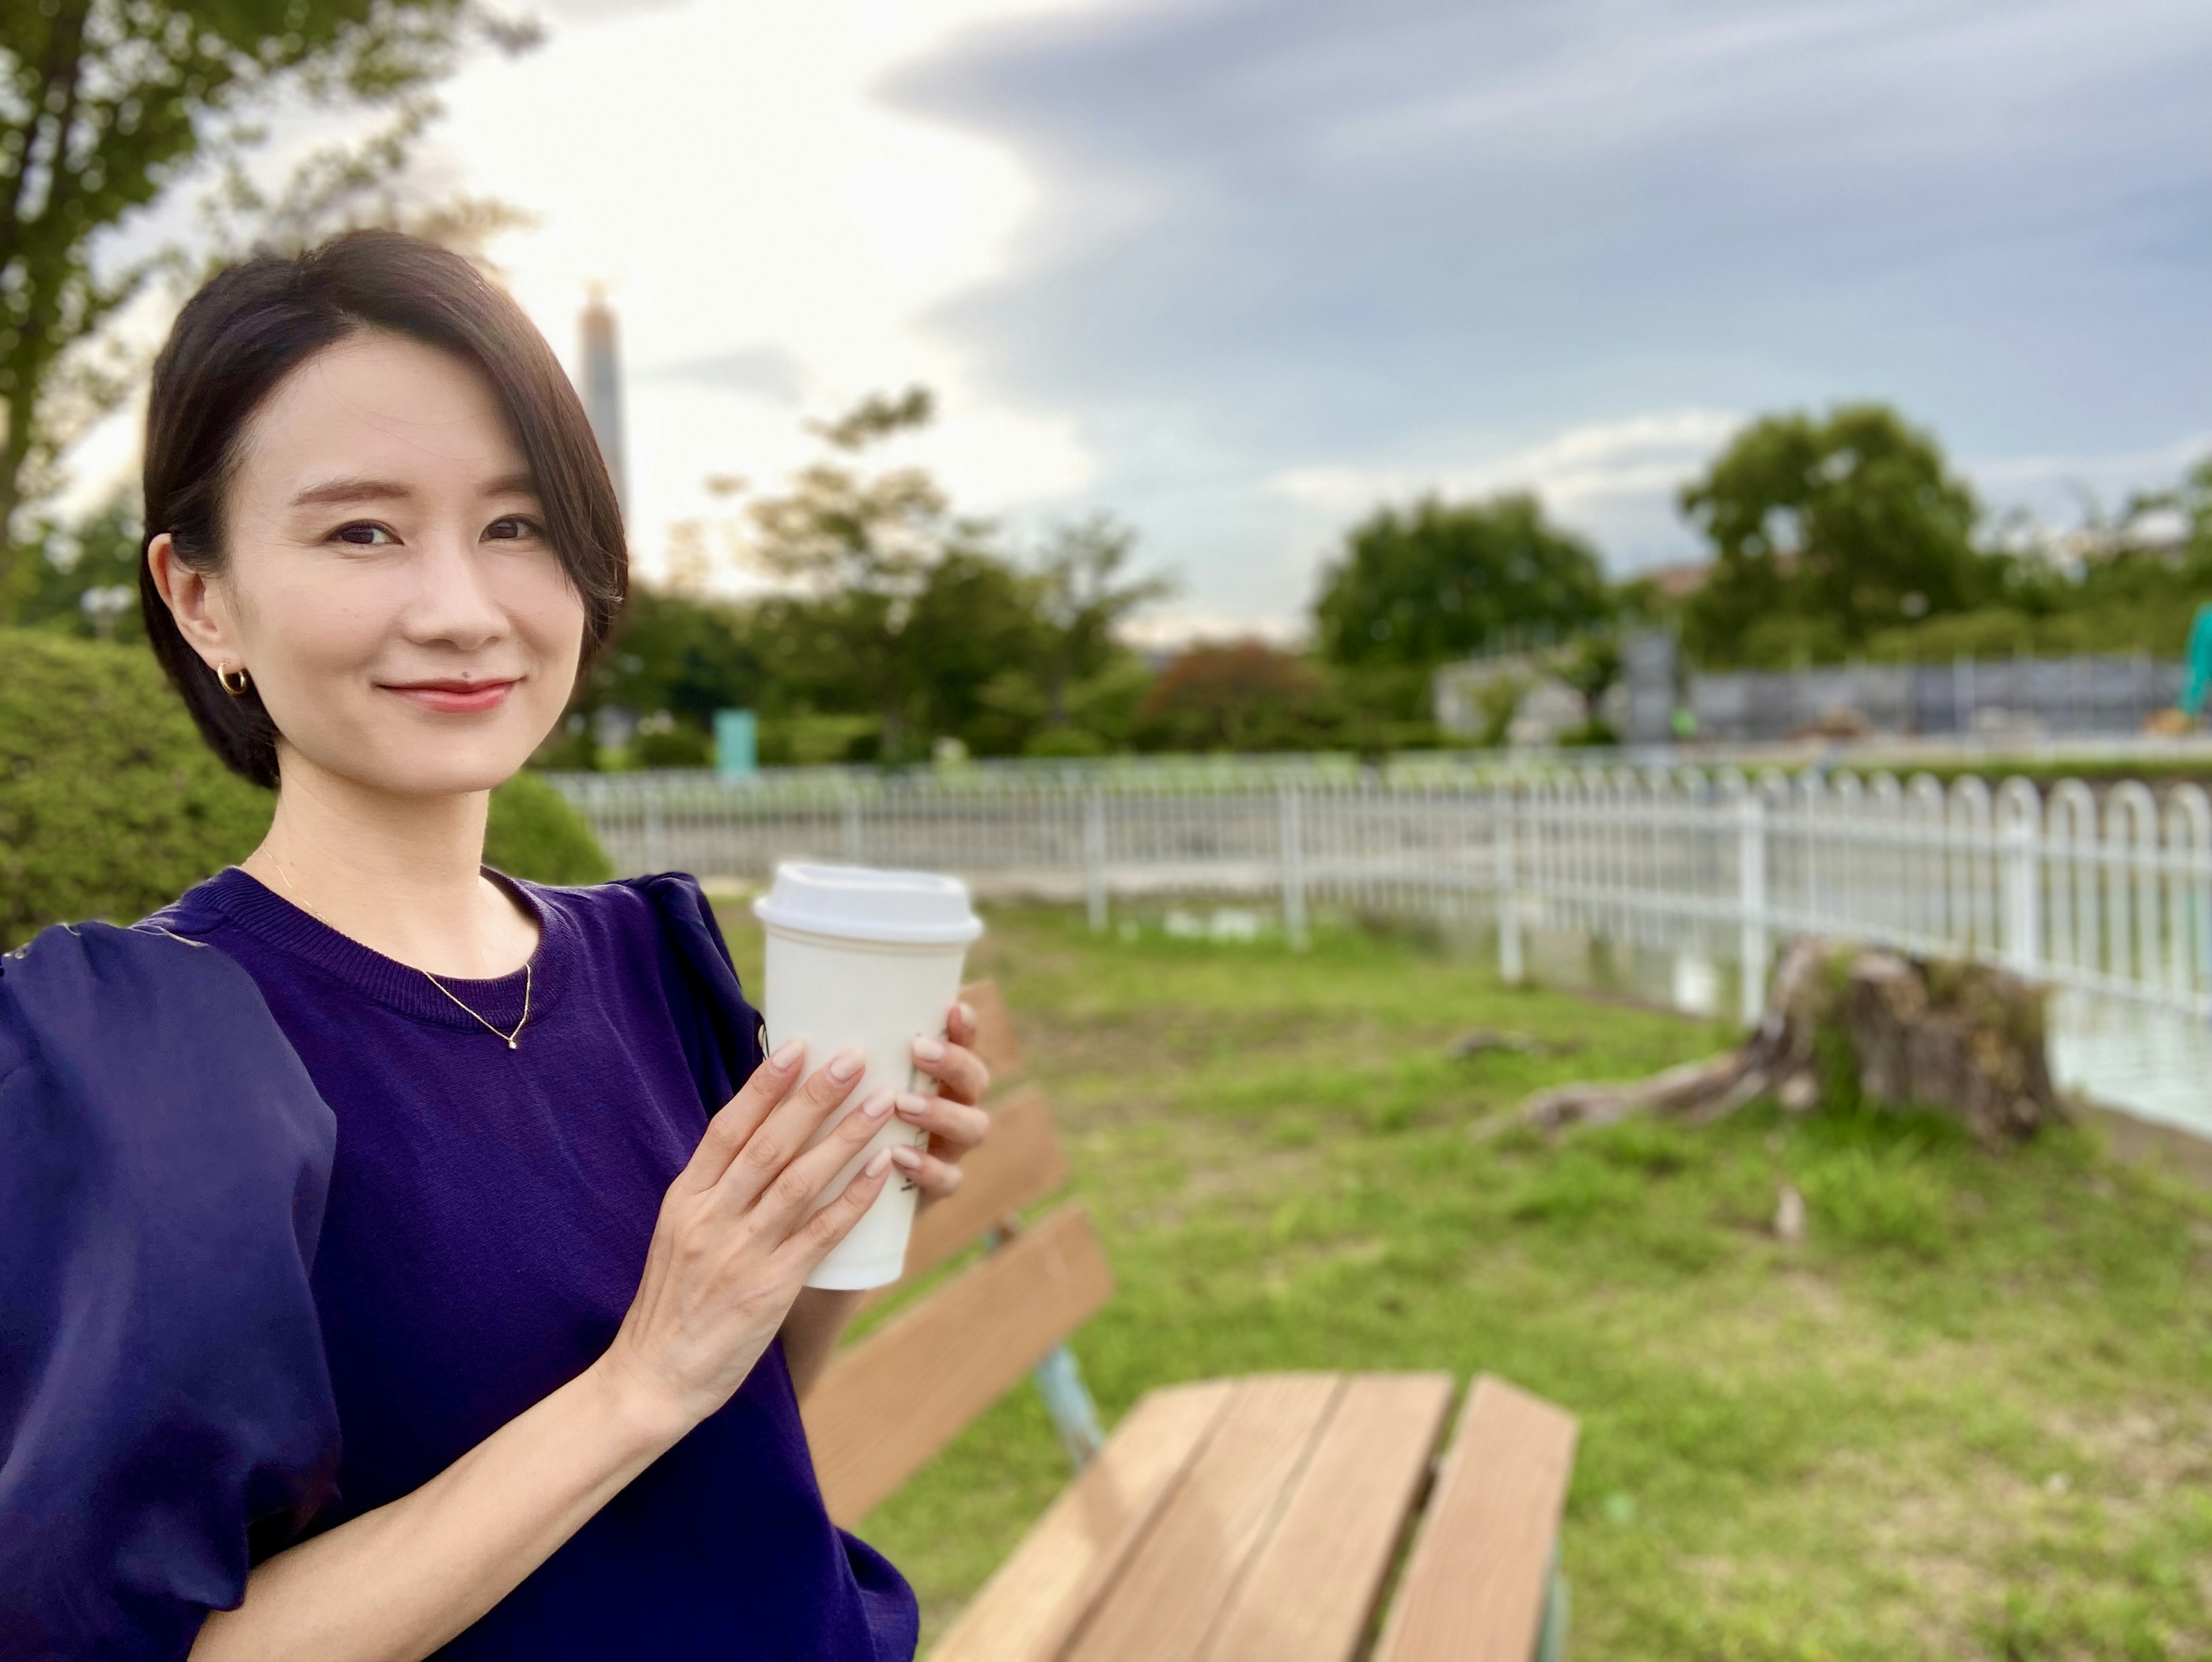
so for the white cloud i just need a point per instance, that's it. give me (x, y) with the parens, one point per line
(731, 174)
(1613, 481)
(2064, 490)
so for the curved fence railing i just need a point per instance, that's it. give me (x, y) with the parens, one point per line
(2106, 890)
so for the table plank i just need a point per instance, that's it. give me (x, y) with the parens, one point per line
(1025, 1612)
(887, 1404)
(1312, 1587)
(1163, 1605)
(996, 1042)
(1018, 1165)
(1474, 1586)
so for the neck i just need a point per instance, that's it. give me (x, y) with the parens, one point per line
(401, 874)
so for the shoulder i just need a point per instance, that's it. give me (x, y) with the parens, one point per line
(203, 1045)
(668, 916)
(196, 914)
(667, 906)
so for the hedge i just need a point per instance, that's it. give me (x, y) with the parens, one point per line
(110, 806)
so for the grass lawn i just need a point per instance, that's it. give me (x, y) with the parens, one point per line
(1968, 1417)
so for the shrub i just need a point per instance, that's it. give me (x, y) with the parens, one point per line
(110, 806)
(534, 833)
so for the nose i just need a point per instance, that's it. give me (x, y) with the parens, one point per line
(454, 604)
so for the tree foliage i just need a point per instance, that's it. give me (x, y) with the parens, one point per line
(865, 548)
(1239, 695)
(1083, 599)
(1827, 530)
(1440, 580)
(105, 104)
(98, 557)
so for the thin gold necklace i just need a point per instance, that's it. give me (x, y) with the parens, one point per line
(528, 977)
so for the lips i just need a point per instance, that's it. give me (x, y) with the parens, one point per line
(453, 698)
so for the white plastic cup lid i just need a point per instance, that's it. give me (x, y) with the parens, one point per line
(858, 903)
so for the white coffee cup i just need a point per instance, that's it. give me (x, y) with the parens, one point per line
(870, 960)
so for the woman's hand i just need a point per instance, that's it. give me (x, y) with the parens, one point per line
(738, 1234)
(950, 1117)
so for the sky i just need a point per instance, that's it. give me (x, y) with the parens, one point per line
(1239, 271)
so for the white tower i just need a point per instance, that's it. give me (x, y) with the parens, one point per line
(603, 389)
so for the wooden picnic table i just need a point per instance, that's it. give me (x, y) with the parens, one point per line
(1256, 1520)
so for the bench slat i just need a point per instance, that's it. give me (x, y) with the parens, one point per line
(1165, 1602)
(1025, 1612)
(1016, 1165)
(996, 1041)
(1475, 1587)
(885, 1405)
(1312, 1589)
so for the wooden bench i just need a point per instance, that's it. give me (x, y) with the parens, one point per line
(1254, 1519)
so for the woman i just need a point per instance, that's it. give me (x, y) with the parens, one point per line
(517, 1378)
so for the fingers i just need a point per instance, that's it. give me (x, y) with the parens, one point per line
(960, 1024)
(789, 1128)
(955, 1127)
(812, 1241)
(799, 1184)
(932, 1177)
(959, 1072)
(742, 1115)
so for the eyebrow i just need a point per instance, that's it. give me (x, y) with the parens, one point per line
(333, 493)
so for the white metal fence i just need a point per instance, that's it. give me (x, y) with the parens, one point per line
(2107, 893)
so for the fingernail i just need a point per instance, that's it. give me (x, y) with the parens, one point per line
(878, 1105)
(845, 1067)
(877, 1162)
(929, 1050)
(787, 1055)
(966, 1012)
(913, 1106)
(906, 1159)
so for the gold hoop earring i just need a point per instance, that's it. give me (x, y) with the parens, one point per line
(234, 679)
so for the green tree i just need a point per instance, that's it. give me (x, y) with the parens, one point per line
(679, 654)
(1239, 695)
(863, 545)
(1827, 530)
(105, 104)
(976, 620)
(99, 558)
(1084, 600)
(1419, 586)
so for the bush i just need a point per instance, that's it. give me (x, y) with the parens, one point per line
(1064, 741)
(534, 833)
(110, 806)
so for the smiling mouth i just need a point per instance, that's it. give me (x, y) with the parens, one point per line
(453, 698)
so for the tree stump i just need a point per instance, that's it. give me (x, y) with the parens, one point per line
(1845, 1022)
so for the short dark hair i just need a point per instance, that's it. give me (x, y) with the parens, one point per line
(250, 326)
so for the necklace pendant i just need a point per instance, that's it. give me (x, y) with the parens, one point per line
(511, 1044)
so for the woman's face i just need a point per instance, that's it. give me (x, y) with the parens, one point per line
(386, 579)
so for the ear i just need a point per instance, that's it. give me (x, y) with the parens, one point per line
(195, 600)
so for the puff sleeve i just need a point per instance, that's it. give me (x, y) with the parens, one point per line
(163, 1163)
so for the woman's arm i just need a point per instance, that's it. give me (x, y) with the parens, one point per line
(735, 1240)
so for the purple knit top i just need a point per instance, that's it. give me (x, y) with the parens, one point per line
(487, 1221)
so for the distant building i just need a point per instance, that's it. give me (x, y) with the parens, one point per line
(602, 390)
(1679, 581)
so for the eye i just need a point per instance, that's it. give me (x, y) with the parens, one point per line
(364, 533)
(513, 527)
